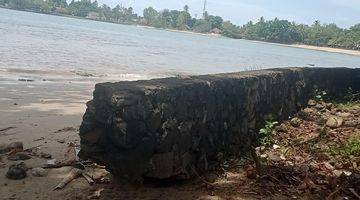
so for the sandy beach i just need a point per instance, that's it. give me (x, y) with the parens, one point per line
(327, 49)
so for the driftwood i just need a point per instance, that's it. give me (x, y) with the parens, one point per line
(73, 174)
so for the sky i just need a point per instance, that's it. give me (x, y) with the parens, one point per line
(345, 13)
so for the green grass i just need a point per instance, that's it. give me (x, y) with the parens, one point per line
(350, 147)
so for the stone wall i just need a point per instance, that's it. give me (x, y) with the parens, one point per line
(172, 127)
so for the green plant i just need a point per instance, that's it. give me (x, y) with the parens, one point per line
(320, 95)
(350, 147)
(265, 133)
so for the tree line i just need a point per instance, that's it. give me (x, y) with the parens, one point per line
(276, 30)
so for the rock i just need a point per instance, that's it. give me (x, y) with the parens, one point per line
(17, 171)
(337, 173)
(319, 106)
(334, 122)
(62, 141)
(352, 123)
(38, 172)
(311, 102)
(295, 122)
(12, 147)
(329, 166)
(19, 156)
(275, 157)
(45, 155)
(307, 114)
(328, 106)
(16, 147)
(343, 114)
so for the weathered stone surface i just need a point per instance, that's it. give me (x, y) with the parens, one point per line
(38, 172)
(171, 127)
(334, 122)
(17, 171)
(295, 122)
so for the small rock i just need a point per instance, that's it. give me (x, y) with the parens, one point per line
(16, 171)
(45, 155)
(19, 156)
(295, 122)
(343, 114)
(319, 106)
(334, 122)
(311, 102)
(306, 114)
(38, 172)
(275, 146)
(337, 173)
(14, 147)
(251, 172)
(61, 141)
(328, 106)
(274, 157)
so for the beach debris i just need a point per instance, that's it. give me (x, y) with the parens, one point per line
(96, 194)
(88, 178)
(97, 173)
(17, 171)
(19, 156)
(73, 174)
(12, 147)
(66, 129)
(38, 172)
(51, 162)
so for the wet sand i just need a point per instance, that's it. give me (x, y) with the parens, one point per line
(36, 111)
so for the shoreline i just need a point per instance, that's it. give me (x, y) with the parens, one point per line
(310, 47)
(325, 49)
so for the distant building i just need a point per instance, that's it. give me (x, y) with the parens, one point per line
(61, 10)
(93, 16)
